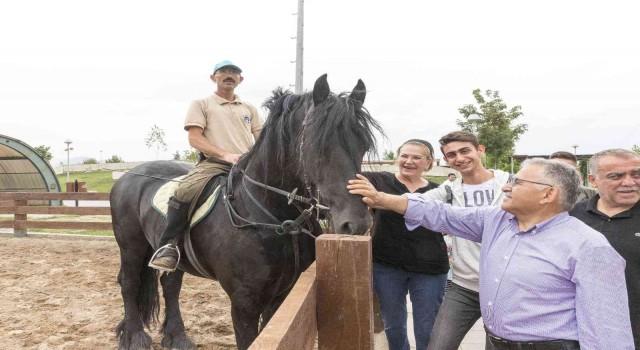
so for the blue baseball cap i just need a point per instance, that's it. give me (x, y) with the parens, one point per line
(225, 63)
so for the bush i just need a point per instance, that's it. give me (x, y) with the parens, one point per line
(90, 161)
(114, 159)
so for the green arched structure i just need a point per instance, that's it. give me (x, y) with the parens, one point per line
(22, 169)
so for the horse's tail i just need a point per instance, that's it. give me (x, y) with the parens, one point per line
(147, 298)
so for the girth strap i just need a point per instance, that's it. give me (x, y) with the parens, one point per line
(186, 241)
(191, 255)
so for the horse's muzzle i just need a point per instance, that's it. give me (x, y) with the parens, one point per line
(354, 227)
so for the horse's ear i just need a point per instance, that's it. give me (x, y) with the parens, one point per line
(359, 92)
(320, 90)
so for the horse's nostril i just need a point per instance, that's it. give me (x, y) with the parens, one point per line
(346, 228)
(354, 228)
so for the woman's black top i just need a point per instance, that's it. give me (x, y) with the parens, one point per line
(420, 250)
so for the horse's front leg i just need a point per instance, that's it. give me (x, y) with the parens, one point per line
(174, 335)
(271, 309)
(245, 314)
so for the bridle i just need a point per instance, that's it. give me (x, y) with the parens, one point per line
(290, 227)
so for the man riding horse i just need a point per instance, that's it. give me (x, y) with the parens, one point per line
(222, 127)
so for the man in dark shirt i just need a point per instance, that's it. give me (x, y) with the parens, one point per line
(615, 212)
(571, 160)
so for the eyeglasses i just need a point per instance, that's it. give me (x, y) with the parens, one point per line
(516, 181)
(228, 71)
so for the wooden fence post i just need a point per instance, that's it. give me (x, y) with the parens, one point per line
(344, 292)
(17, 218)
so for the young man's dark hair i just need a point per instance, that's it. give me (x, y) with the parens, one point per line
(564, 155)
(459, 136)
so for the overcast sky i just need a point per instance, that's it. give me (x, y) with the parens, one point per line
(102, 73)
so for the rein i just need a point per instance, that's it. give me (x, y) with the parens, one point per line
(292, 227)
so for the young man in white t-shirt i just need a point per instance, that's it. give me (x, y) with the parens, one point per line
(477, 187)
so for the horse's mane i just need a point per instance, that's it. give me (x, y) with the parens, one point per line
(339, 120)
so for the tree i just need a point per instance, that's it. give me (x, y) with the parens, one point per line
(156, 139)
(636, 149)
(44, 152)
(495, 129)
(90, 161)
(388, 155)
(190, 155)
(114, 159)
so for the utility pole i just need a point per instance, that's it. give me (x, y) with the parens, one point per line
(299, 46)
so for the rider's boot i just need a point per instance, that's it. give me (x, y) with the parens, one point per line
(166, 258)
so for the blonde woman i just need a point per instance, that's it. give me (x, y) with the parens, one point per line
(404, 261)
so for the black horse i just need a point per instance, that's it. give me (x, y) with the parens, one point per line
(314, 142)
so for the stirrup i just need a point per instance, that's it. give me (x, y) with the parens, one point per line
(162, 268)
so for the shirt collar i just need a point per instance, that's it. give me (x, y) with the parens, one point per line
(592, 207)
(222, 101)
(554, 220)
(592, 204)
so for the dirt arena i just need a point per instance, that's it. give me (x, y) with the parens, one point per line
(63, 294)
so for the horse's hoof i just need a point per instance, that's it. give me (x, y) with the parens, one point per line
(139, 341)
(178, 342)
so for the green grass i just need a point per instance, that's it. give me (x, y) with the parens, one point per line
(437, 179)
(99, 181)
(74, 232)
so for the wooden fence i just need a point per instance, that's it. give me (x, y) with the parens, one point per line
(332, 301)
(20, 208)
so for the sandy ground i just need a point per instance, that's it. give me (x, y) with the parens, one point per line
(63, 294)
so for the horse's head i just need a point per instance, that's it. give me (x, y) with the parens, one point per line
(316, 142)
(336, 134)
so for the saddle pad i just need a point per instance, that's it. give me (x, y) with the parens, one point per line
(161, 198)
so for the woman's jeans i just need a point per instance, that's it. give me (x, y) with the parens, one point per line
(426, 292)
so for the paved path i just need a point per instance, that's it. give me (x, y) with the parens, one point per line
(475, 339)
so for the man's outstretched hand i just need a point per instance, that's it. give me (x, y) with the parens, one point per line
(375, 199)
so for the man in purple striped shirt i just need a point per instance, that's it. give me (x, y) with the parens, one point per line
(547, 280)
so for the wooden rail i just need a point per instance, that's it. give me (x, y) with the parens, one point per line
(333, 299)
(294, 325)
(20, 209)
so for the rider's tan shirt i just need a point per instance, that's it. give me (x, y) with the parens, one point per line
(232, 126)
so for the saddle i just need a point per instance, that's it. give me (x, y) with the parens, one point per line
(205, 202)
